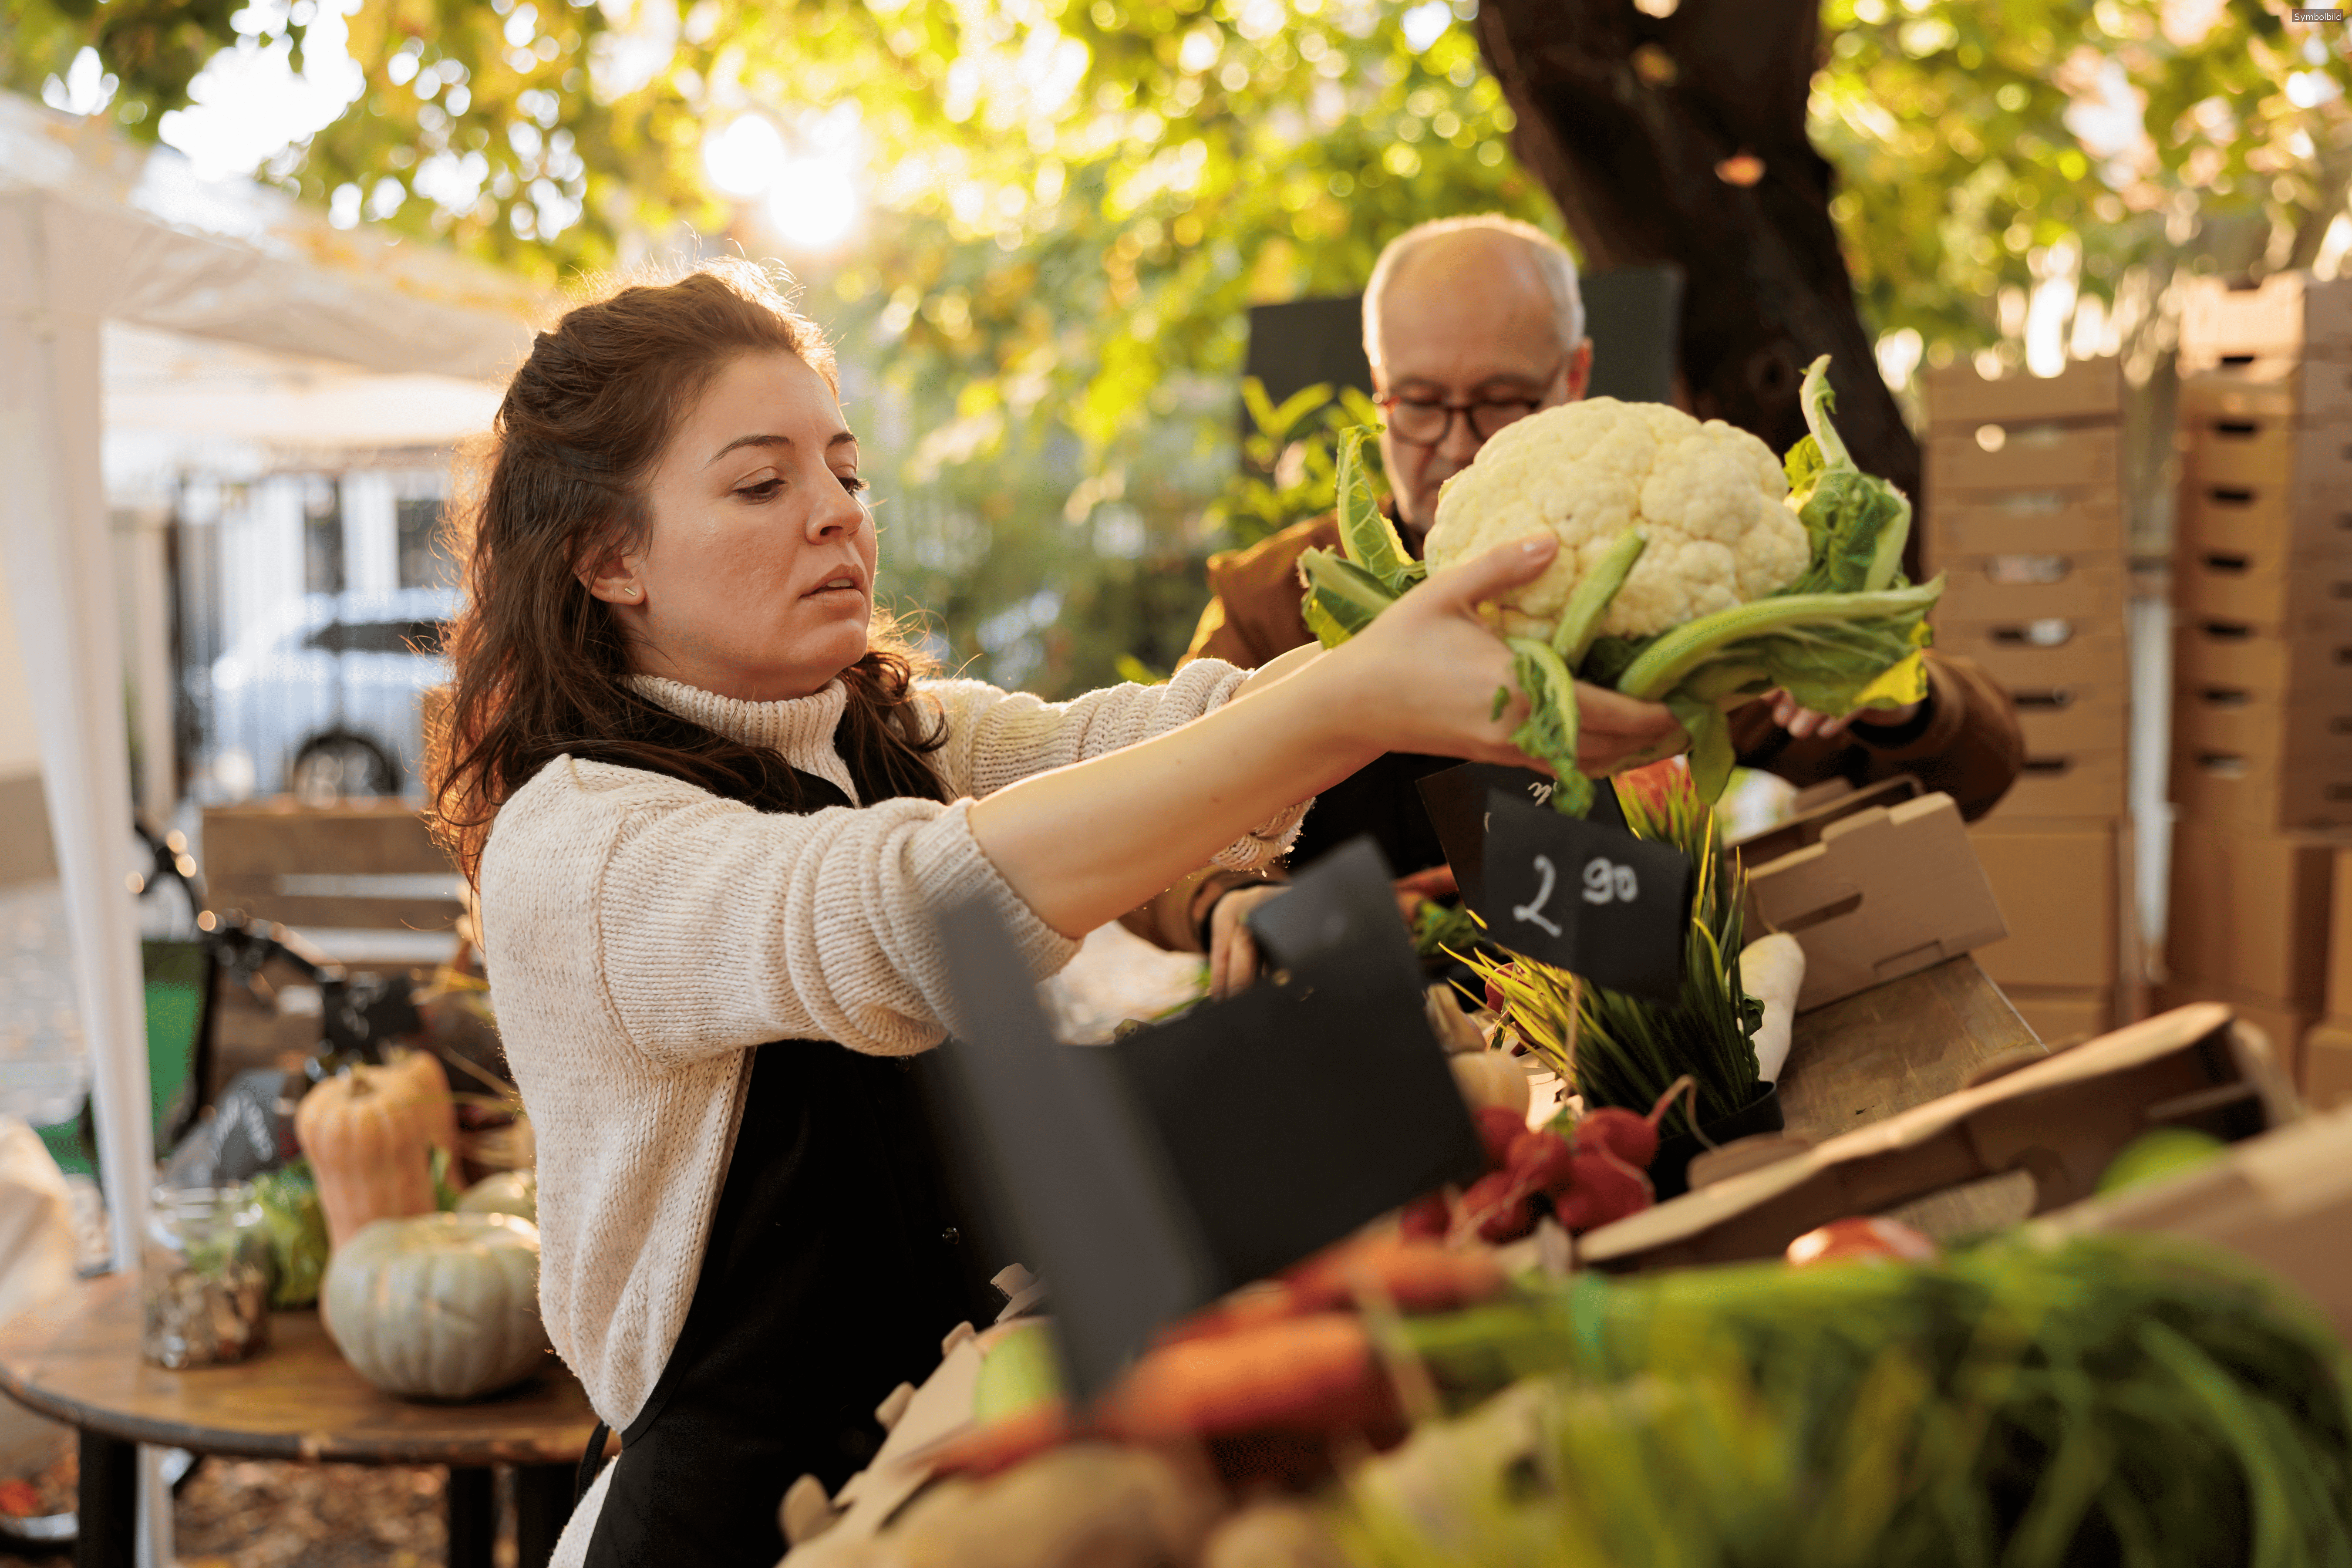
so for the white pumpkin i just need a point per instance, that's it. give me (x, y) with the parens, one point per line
(441, 1306)
(507, 1192)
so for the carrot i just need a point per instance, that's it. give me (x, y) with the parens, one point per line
(1308, 1373)
(1003, 1443)
(1415, 1275)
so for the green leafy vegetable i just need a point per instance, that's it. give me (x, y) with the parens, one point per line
(2121, 1398)
(297, 1228)
(1548, 731)
(1858, 523)
(1445, 928)
(1845, 634)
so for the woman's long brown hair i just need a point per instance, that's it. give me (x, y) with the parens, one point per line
(542, 668)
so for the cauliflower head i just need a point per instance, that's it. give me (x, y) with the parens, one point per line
(1711, 497)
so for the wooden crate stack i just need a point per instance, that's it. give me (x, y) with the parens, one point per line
(2024, 519)
(2262, 721)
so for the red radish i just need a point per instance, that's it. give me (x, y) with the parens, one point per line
(1497, 1129)
(1425, 1218)
(1604, 1189)
(1497, 1207)
(1541, 1159)
(1631, 1138)
(1495, 1001)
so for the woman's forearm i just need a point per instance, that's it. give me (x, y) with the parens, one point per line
(1085, 844)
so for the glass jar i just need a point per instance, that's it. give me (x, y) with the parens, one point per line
(204, 1277)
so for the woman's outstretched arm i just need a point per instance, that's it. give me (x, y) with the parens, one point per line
(1084, 843)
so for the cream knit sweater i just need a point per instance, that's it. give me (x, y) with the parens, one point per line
(641, 935)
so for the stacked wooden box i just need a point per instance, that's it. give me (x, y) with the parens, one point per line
(2261, 722)
(2024, 519)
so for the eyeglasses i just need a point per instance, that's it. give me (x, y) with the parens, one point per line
(1426, 422)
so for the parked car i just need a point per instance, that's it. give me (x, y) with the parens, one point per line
(322, 698)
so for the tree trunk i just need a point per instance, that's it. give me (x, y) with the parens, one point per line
(1626, 117)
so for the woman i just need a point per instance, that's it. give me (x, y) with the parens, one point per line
(709, 809)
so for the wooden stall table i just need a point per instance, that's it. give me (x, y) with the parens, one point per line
(1874, 1054)
(77, 1360)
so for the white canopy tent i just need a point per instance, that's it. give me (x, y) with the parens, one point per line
(94, 231)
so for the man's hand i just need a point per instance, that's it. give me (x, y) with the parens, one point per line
(1233, 954)
(1803, 721)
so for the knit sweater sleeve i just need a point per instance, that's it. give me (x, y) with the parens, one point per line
(703, 926)
(996, 738)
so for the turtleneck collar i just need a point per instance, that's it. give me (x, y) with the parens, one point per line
(800, 729)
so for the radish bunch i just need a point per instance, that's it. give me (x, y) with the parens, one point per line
(1595, 1175)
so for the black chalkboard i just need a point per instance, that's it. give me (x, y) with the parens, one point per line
(1591, 899)
(1145, 1178)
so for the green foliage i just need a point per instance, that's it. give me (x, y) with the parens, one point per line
(1072, 207)
(1964, 184)
(1290, 460)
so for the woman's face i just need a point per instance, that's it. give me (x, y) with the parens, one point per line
(756, 578)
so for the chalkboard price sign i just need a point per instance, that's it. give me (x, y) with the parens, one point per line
(1593, 900)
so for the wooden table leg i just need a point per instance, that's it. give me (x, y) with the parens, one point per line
(108, 1506)
(542, 1507)
(473, 1515)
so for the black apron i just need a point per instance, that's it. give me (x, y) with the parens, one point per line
(835, 1266)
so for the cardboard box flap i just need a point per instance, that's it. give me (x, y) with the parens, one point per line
(1882, 891)
(2062, 1119)
(1817, 807)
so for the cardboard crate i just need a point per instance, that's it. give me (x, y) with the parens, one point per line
(2258, 796)
(2288, 312)
(2011, 655)
(2309, 389)
(2062, 730)
(2274, 590)
(2284, 1028)
(2211, 651)
(2326, 1081)
(2063, 1015)
(2267, 517)
(2024, 458)
(2089, 389)
(2079, 784)
(2339, 938)
(2250, 913)
(2210, 719)
(2060, 891)
(2024, 522)
(2083, 588)
(2313, 461)
(1873, 886)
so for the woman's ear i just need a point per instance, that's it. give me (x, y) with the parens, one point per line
(612, 578)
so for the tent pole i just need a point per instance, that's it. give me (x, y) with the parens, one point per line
(61, 578)
(53, 530)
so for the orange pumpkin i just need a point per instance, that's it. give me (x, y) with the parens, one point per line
(369, 1133)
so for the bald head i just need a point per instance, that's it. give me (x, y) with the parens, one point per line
(1464, 312)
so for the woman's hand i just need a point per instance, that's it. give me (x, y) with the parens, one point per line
(1423, 677)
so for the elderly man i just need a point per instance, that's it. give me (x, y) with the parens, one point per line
(1471, 323)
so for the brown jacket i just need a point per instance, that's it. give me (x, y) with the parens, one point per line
(1970, 748)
